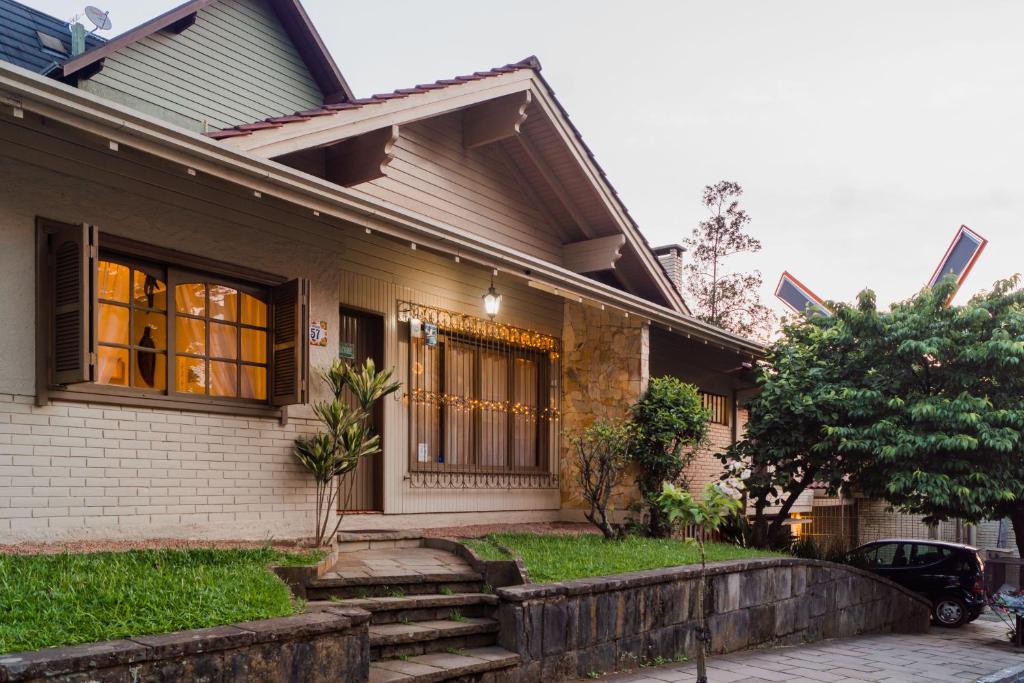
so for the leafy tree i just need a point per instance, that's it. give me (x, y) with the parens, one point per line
(922, 405)
(719, 503)
(602, 454)
(727, 299)
(671, 422)
(809, 379)
(950, 441)
(335, 452)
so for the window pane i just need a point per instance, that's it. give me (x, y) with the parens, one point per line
(494, 394)
(150, 330)
(190, 298)
(113, 324)
(223, 379)
(254, 311)
(254, 345)
(524, 413)
(459, 422)
(150, 370)
(223, 340)
(113, 281)
(190, 375)
(149, 291)
(112, 366)
(254, 382)
(223, 303)
(189, 336)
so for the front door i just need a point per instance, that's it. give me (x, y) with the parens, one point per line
(361, 336)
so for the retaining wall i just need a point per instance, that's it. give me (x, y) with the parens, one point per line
(576, 628)
(321, 646)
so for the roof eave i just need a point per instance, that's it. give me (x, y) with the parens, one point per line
(99, 116)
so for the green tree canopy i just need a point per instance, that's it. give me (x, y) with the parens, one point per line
(922, 405)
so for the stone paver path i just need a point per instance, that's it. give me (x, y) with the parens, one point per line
(397, 562)
(964, 654)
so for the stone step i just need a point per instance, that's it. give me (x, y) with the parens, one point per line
(467, 665)
(388, 610)
(422, 637)
(333, 585)
(354, 541)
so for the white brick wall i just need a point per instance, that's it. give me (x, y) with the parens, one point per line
(87, 470)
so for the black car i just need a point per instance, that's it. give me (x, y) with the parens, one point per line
(950, 575)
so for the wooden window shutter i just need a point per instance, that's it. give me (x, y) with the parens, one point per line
(72, 283)
(289, 369)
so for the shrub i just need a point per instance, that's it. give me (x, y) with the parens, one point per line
(347, 438)
(671, 422)
(602, 453)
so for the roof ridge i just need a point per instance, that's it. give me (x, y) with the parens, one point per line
(530, 62)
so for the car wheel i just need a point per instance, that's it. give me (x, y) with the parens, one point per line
(950, 612)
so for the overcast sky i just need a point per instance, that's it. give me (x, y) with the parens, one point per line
(864, 133)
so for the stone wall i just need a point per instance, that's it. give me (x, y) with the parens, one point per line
(320, 646)
(604, 371)
(578, 628)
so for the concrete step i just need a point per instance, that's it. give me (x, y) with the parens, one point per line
(423, 637)
(333, 585)
(389, 610)
(474, 664)
(354, 541)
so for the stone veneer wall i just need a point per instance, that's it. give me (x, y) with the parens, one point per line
(576, 628)
(604, 370)
(324, 646)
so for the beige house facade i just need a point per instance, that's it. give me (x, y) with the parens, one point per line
(172, 293)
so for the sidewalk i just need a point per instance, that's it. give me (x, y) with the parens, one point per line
(966, 654)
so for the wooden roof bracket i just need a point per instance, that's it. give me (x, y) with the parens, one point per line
(361, 158)
(495, 119)
(183, 24)
(593, 256)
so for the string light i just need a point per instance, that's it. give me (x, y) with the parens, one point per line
(450, 321)
(465, 404)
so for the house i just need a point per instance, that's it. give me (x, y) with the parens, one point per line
(182, 204)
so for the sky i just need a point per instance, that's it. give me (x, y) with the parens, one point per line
(863, 133)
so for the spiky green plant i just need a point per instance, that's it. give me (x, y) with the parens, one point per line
(334, 453)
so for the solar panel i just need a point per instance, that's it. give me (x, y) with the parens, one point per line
(960, 257)
(798, 297)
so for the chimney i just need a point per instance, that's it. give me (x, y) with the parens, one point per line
(77, 39)
(671, 258)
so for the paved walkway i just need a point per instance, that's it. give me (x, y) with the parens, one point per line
(396, 562)
(964, 654)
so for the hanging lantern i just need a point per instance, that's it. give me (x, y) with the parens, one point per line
(492, 301)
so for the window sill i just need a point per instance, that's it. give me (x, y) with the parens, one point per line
(159, 402)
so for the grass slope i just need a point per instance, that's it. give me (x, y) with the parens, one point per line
(65, 599)
(564, 557)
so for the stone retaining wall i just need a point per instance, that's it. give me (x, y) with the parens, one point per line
(332, 645)
(576, 628)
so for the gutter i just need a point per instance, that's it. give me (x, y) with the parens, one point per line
(21, 89)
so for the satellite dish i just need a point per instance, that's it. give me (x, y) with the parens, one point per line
(99, 18)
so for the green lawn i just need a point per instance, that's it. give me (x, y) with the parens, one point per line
(48, 600)
(564, 557)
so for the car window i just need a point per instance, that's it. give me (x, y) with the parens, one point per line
(925, 553)
(885, 555)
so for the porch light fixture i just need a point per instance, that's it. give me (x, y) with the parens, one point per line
(492, 301)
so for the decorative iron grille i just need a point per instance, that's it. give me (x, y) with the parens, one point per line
(483, 400)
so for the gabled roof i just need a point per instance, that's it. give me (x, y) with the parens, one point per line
(521, 76)
(291, 14)
(19, 39)
(328, 109)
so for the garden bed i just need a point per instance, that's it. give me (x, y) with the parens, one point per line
(561, 557)
(65, 599)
